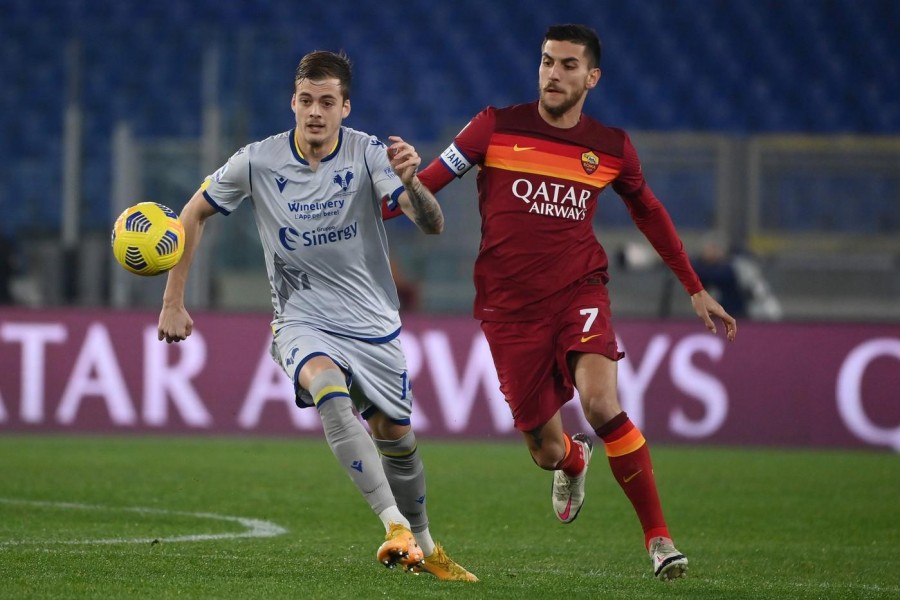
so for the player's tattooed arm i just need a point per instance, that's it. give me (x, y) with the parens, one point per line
(417, 201)
(427, 213)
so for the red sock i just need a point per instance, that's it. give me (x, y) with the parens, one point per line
(572, 463)
(629, 460)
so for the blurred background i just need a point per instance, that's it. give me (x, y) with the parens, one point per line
(769, 128)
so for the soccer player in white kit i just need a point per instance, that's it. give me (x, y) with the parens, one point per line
(316, 193)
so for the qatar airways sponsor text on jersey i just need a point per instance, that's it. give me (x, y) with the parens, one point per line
(553, 199)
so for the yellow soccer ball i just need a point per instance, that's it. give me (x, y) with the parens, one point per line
(148, 239)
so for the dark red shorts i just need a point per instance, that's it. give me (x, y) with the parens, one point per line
(531, 357)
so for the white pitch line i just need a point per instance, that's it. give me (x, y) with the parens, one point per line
(255, 528)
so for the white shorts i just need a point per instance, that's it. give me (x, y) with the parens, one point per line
(377, 370)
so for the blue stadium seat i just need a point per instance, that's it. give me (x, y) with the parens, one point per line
(743, 66)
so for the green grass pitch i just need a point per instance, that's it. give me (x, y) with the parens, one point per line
(146, 517)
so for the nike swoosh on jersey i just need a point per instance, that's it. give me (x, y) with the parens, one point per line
(518, 148)
(587, 338)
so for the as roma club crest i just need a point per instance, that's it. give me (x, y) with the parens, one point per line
(589, 162)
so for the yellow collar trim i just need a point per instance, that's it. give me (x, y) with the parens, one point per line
(297, 143)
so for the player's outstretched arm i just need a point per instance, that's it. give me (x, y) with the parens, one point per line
(175, 324)
(417, 201)
(420, 205)
(707, 308)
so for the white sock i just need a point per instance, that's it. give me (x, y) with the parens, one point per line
(425, 542)
(392, 514)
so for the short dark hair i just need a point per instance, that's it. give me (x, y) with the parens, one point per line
(322, 64)
(577, 34)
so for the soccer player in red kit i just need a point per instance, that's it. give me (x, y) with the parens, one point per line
(541, 274)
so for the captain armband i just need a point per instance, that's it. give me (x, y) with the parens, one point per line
(455, 160)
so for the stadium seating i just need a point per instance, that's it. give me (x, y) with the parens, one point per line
(422, 68)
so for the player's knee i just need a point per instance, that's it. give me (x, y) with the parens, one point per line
(599, 407)
(383, 427)
(403, 446)
(332, 399)
(547, 457)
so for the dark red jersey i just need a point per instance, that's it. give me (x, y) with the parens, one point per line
(538, 188)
